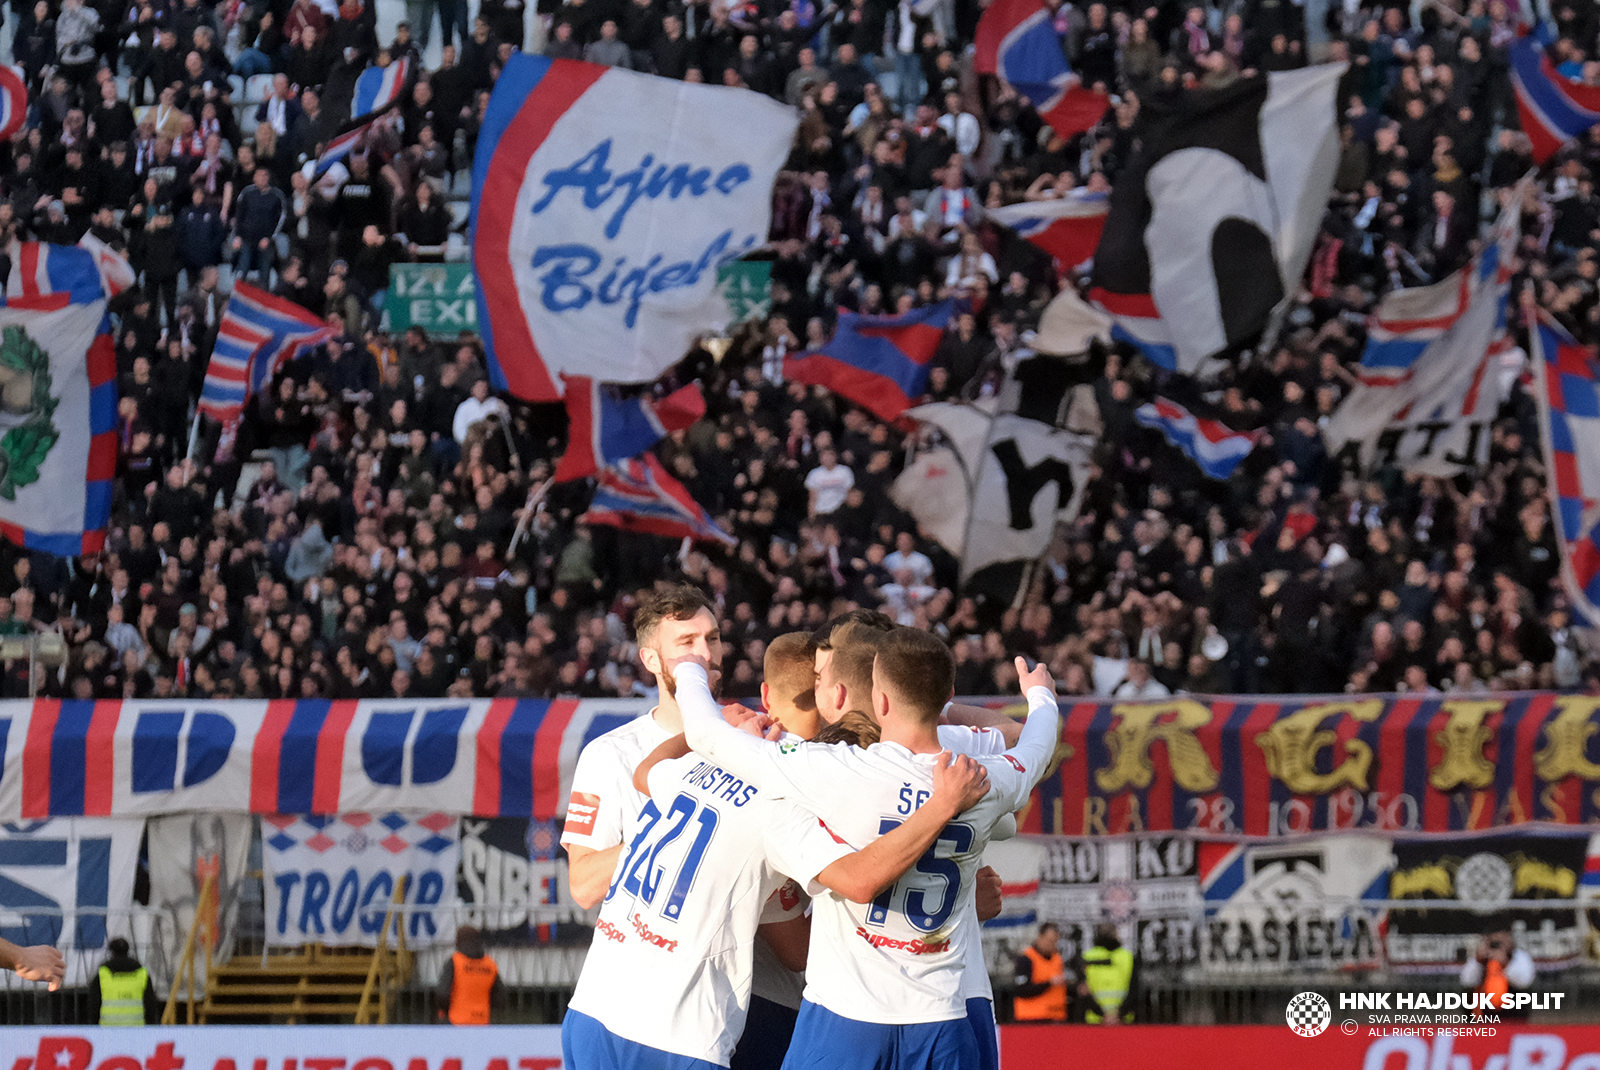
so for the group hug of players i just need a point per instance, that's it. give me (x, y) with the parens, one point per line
(840, 833)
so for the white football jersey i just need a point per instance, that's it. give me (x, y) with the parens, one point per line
(670, 964)
(604, 801)
(977, 742)
(770, 978)
(900, 959)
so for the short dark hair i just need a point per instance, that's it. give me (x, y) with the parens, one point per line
(918, 668)
(669, 601)
(855, 645)
(822, 638)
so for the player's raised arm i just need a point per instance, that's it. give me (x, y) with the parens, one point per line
(957, 713)
(1029, 759)
(676, 747)
(38, 963)
(957, 786)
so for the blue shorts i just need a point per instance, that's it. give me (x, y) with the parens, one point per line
(768, 1028)
(827, 1041)
(588, 1045)
(980, 1012)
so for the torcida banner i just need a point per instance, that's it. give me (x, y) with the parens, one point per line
(1218, 767)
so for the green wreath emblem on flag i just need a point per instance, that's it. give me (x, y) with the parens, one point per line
(24, 391)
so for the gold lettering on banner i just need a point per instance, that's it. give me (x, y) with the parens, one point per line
(1462, 740)
(1566, 740)
(1550, 797)
(1291, 745)
(1140, 725)
(1094, 816)
(1433, 877)
(1532, 875)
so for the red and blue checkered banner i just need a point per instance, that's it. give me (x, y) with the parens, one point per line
(1244, 766)
(332, 879)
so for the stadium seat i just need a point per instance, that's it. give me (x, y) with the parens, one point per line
(257, 88)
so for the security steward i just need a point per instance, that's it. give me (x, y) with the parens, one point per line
(1040, 993)
(1107, 979)
(122, 993)
(470, 981)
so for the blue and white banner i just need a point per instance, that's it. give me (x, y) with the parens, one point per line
(331, 879)
(68, 883)
(603, 202)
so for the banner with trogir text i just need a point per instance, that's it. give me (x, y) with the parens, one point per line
(603, 202)
(330, 880)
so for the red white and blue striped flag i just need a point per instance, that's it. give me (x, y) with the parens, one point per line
(1017, 40)
(379, 87)
(258, 333)
(639, 495)
(881, 363)
(1068, 228)
(1553, 109)
(1215, 447)
(604, 429)
(52, 276)
(1569, 410)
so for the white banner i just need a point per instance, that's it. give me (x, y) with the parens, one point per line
(329, 880)
(184, 850)
(603, 203)
(1294, 906)
(335, 1047)
(1030, 476)
(59, 878)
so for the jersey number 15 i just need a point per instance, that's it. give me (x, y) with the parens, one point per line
(912, 890)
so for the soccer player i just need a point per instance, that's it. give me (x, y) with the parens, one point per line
(884, 980)
(666, 982)
(844, 665)
(672, 621)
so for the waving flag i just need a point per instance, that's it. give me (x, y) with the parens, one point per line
(1429, 384)
(1246, 169)
(13, 101)
(380, 87)
(1553, 109)
(879, 362)
(604, 429)
(116, 274)
(1569, 410)
(1017, 40)
(52, 276)
(1214, 446)
(603, 202)
(1068, 228)
(58, 454)
(641, 496)
(258, 333)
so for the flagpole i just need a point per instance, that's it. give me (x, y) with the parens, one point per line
(535, 496)
(194, 436)
(505, 425)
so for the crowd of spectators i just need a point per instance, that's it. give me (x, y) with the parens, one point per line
(367, 531)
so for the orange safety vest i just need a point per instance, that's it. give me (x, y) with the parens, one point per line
(1049, 1005)
(469, 989)
(1495, 983)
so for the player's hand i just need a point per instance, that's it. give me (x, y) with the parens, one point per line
(1038, 676)
(41, 963)
(987, 894)
(958, 782)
